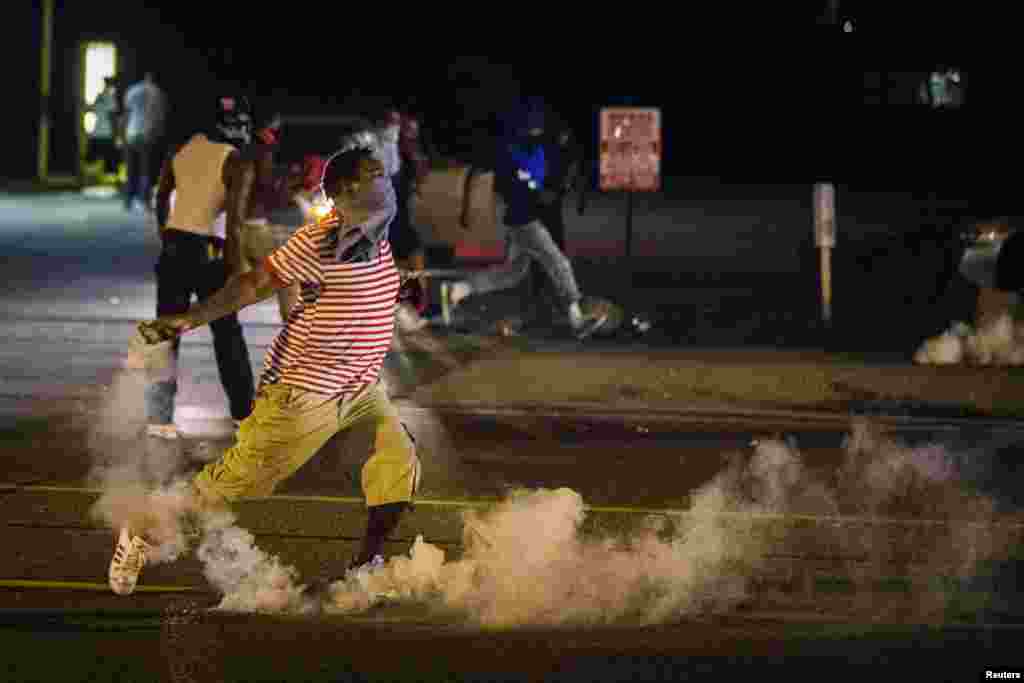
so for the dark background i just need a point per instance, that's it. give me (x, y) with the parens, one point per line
(796, 101)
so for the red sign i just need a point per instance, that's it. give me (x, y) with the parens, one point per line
(630, 149)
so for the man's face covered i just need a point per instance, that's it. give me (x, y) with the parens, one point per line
(367, 205)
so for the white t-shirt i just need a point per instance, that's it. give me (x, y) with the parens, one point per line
(146, 108)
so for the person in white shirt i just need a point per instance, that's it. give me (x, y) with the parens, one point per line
(209, 178)
(102, 138)
(145, 114)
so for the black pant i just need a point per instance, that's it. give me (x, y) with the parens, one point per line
(189, 265)
(104, 149)
(404, 238)
(138, 162)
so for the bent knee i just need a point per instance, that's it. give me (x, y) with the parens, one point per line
(393, 472)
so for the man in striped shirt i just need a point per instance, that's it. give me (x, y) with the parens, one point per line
(321, 376)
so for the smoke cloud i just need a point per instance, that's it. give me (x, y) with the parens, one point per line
(534, 559)
(531, 561)
(1000, 342)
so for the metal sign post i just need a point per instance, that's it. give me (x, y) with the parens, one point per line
(825, 240)
(630, 155)
(629, 223)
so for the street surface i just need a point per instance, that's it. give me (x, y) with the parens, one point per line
(849, 573)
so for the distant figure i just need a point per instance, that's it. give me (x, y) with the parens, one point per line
(103, 137)
(402, 135)
(145, 115)
(273, 216)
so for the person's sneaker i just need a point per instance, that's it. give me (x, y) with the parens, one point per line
(589, 325)
(446, 302)
(163, 431)
(127, 563)
(362, 576)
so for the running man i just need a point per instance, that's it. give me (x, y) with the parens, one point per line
(519, 181)
(322, 374)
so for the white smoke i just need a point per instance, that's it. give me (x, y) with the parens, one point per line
(249, 579)
(145, 486)
(140, 481)
(533, 560)
(529, 560)
(1000, 342)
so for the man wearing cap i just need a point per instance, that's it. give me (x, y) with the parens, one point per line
(207, 175)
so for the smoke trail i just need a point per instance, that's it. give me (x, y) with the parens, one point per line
(249, 579)
(139, 477)
(999, 342)
(528, 561)
(145, 486)
(532, 560)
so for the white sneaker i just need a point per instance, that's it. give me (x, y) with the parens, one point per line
(167, 431)
(127, 563)
(362, 577)
(589, 325)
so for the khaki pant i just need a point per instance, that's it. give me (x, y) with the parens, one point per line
(288, 426)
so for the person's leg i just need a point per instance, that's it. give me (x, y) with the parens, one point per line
(229, 347)
(175, 273)
(536, 241)
(110, 157)
(288, 427)
(506, 275)
(553, 218)
(390, 475)
(145, 174)
(131, 162)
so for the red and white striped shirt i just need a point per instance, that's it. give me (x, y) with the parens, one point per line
(336, 337)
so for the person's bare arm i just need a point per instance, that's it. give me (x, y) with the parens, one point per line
(239, 176)
(164, 189)
(239, 291)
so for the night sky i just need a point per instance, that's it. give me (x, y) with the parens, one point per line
(729, 107)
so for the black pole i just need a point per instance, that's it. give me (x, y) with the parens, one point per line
(629, 223)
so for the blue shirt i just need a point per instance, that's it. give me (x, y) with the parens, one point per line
(519, 180)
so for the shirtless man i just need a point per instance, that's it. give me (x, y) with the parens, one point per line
(206, 175)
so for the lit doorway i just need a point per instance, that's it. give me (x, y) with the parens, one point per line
(98, 62)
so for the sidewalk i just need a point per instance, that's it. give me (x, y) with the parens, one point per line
(810, 386)
(35, 186)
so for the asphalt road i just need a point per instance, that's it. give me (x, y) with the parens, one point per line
(79, 276)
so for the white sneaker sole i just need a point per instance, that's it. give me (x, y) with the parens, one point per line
(122, 583)
(591, 326)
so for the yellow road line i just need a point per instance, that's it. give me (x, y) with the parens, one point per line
(351, 500)
(671, 512)
(88, 586)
